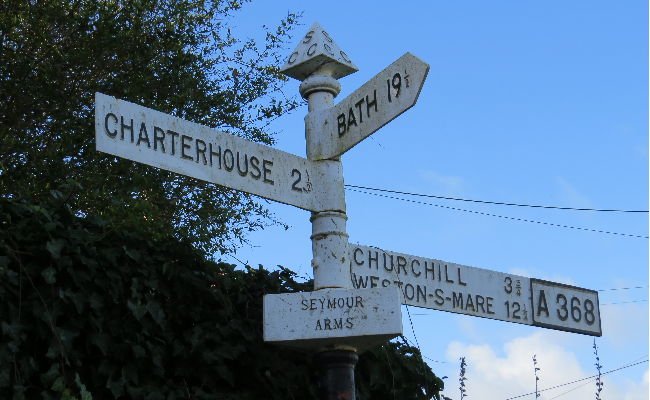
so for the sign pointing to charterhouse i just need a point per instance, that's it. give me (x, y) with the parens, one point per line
(150, 137)
(335, 130)
(439, 285)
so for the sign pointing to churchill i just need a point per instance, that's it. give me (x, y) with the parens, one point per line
(444, 286)
(335, 130)
(150, 137)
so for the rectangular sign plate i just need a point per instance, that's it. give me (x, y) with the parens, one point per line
(324, 318)
(440, 285)
(333, 131)
(150, 137)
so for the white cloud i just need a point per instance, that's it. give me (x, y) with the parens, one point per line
(493, 377)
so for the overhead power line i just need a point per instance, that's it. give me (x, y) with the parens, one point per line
(492, 202)
(499, 216)
(579, 380)
(624, 288)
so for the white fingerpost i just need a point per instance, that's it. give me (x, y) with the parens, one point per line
(318, 62)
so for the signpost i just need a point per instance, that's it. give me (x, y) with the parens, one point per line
(440, 285)
(150, 137)
(333, 131)
(357, 289)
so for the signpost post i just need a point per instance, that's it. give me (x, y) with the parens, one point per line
(357, 289)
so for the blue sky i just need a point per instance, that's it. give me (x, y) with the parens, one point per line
(541, 103)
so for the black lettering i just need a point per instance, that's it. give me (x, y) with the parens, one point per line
(459, 281)
(373, 283)
(370, 259)
(358, 105)
(158, 139)
(385, 283)
(327, 324)
(391, 262)
(348, 323)
(406, 291)
(145, 138)
(201, 151)
(470, 303)
(489, 304)
(541, 304)
(185, 146)
(440, 300)
(225, 160)
(427, 270)
(255, 164)
(331, 303)
(124, 126)
(447, 276)
(457, 300)
(351, 119)
(267, 170)
(360, 283)
(338, 324)
(239, 170)
(312, 302)
(305, 305)
(318, 326)
(174, 136)
(413, 270)
(349, 301)
(371, 103)
(401, 262)
(218, 154)
(359, 300)
(109, 133)
(423, 292)
(354, 255)
(308, 37)
(322, 303)
(341, 302)
(439, 274)
(479, 302)
(341, 124)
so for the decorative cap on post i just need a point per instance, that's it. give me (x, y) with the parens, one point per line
(317, 53)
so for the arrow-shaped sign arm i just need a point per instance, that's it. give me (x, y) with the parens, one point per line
(333, 131)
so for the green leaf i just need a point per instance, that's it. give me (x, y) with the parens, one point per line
(156, 312)
(58, 385)
(101, 340)
(54, 246)
(48, 378)
(49, 275)
(13, 330)
(85, 394)
(139, 310)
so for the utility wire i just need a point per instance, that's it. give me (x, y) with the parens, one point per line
(623, 302)
(580, 380)
(492, 202)
(624, 288)
(499, 216)
(588, 382)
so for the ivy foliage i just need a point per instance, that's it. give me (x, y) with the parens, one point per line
(90, 310)
(179, 57)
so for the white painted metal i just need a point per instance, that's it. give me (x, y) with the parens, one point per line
(564, 307)
(332, 318)
(317, 53)
(394, 90)
(440, 285)
(150, 137)
(329, 248)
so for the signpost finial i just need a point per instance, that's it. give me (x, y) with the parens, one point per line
(318, 53)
